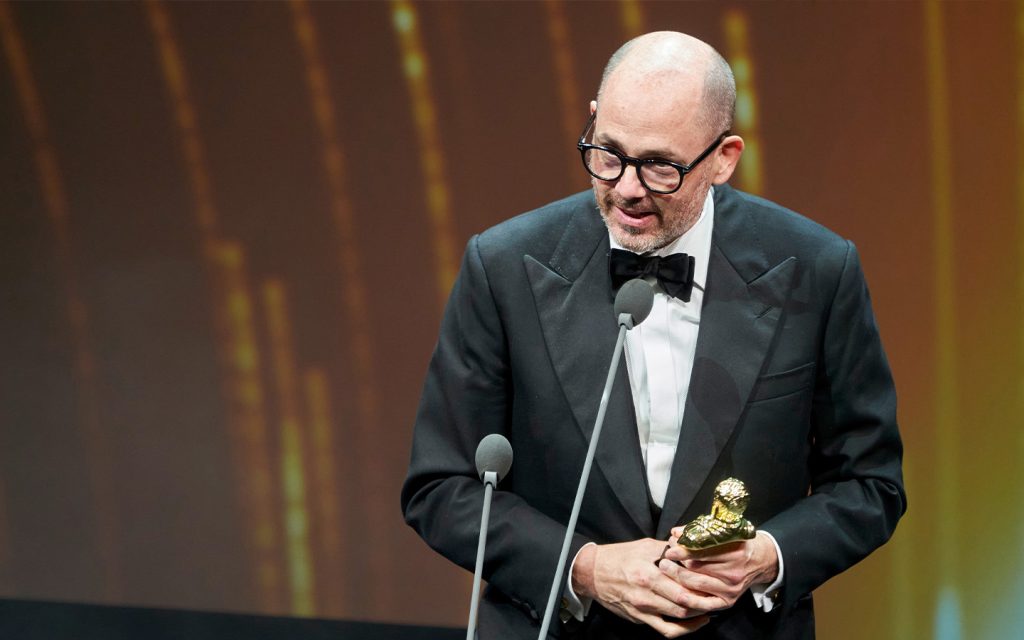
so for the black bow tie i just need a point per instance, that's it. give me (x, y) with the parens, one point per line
(674, 272)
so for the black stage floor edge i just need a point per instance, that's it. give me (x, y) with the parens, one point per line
(37, 620)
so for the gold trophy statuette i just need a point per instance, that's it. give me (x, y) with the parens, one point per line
(725, 523)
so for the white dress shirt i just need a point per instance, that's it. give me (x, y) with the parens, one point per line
(659, 355)
(659, 359)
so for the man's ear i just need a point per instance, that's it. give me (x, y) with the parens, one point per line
(726, 159)
(593, 107)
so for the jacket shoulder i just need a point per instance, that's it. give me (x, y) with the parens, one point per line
(538, 232)
(781, 232)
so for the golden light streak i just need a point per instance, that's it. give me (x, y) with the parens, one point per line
(173, 68)
(378, 558)
(573, 108)
(417, 76)
(95, 435)
(324, 491)
(247, 421)
(232, 303)
(947, 407)
(341, 206)
(293, 444)
(749, 172)
(632, 18)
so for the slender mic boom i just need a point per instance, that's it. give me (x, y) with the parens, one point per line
(634, 300)
(494, 453)
(493, 460)
(632, 305)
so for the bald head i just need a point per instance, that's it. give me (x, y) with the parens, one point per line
(672, 66)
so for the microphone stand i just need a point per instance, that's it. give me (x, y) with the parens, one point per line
(490, 481)
(625, 323)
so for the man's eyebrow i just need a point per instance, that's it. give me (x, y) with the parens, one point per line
(655, 154)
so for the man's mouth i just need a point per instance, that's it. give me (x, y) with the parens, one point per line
(634, 213)
(634, 217)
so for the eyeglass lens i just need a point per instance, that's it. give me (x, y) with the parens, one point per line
(656, 176)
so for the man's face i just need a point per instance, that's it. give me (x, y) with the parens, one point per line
(638, 219)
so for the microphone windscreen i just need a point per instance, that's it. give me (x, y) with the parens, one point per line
(494, 453)
(636, 298)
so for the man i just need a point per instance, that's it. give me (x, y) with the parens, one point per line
(766, 366)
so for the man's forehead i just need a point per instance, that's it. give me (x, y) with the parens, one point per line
(640, 139)
(654, 122)
(671, 91)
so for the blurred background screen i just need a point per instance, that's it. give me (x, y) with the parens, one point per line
(227, 232)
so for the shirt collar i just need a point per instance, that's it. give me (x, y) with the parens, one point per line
(695, 242)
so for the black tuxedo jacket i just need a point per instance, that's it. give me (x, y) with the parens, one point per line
(790, 392)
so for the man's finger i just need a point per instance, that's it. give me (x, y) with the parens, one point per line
(660, 599)
(713, 587)
(725, 553)
(694, 592)
(676, 628)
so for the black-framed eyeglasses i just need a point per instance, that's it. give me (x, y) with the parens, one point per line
(656, 174)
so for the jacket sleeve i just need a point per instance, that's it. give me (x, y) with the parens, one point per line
(857, 493)
(468, 394)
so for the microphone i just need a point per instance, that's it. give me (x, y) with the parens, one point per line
(493, 460)
(493, 454)
(633, 303)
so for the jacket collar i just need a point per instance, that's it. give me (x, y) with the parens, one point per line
(743, 302)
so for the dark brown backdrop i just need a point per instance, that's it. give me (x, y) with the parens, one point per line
(227, 230)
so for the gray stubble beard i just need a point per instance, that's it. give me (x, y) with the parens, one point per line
(693, 207)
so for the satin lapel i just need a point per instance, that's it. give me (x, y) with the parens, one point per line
(574, 302)
(737, 324)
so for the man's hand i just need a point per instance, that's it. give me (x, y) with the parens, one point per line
(624, 579)
(724, 572)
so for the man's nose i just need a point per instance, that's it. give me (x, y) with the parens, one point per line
(629, 185)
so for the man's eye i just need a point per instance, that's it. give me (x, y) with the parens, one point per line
(661, 169)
